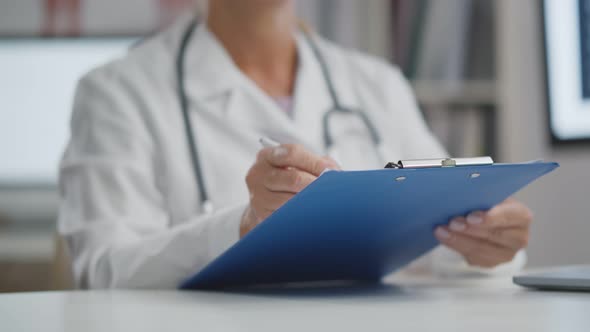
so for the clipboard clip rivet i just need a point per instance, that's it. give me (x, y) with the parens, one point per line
(448, 162)
(474, 175)
(400, 178)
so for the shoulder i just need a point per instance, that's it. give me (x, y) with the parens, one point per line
(126, 94)
(149, 61)
(380, 89)
(371, 76)
(364, 66)
(132, 85)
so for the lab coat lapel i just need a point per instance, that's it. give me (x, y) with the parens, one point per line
(211, 76)
(311, 99)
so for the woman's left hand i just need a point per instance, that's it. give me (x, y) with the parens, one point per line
(486, 239)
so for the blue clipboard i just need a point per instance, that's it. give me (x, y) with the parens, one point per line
(361, 225)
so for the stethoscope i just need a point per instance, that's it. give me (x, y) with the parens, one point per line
(337, 108)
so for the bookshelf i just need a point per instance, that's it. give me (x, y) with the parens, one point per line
(461, 114)
(460, 92)
(446, 49)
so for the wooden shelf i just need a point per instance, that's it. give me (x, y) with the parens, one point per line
(443, 93)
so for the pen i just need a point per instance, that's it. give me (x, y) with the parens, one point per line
(268, 143)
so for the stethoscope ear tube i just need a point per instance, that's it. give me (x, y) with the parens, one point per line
(206, 204)
(372, 131)
(338, 107)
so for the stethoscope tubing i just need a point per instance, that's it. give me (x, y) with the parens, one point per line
(336, 108)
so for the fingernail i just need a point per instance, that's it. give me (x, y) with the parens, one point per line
(442, 233)
(279, 151)
(329, 163)
(475, 218)
(457, 226)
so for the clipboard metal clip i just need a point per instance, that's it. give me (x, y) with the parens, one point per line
(443, 162)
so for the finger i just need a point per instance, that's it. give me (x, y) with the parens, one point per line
(514, 238)
(294, 155)
(510, 213)
(485, 261)
(289, 180)
(249, 221)
(256, 173)
(476, 251)
(267, 202)
(270, 200)
(261, 214)
(507, 214)
(335, 164)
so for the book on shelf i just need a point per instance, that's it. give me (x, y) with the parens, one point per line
(444, 40)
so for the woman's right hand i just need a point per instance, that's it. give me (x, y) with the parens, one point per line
(277, 175)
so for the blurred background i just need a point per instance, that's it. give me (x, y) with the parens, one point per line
(493, 77)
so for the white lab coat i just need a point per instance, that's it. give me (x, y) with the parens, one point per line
(130, 210)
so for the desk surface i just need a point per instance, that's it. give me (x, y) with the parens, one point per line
(401, 304)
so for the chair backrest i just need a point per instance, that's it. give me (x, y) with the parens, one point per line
(62, 275)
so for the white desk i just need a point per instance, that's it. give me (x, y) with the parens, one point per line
(418, 305)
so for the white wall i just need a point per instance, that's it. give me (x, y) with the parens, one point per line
(561, 201)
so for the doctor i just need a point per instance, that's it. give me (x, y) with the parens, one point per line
(164, 170)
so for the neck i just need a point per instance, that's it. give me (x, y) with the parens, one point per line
(258, 35)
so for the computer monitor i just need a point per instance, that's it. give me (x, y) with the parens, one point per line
(567, 50)
(38, 77)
